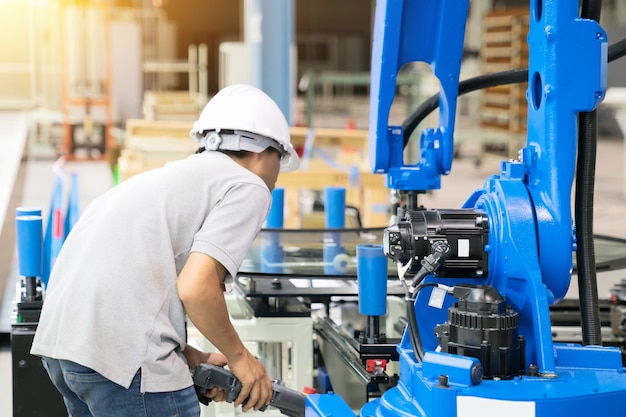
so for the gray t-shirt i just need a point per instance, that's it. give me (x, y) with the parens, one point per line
(111, 302)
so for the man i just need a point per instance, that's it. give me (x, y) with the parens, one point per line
(155, 249)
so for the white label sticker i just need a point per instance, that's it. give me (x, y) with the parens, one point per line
(436, 297)
(486, 407)
(463, 251)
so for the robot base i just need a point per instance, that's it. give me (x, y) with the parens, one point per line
(588, 381)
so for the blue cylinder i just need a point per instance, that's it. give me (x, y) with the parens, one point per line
(275, 218)
(271, 255)
(372, 279)
(27, 211)
(335, 258)
(29, 235)
(335, 207)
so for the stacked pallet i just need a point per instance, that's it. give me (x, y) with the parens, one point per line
(172, 105)
(150, 144)
(504, 47)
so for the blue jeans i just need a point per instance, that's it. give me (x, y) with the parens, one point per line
(87, 393)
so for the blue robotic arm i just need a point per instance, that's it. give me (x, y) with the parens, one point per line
(441, 26)
(489, 345)
(528, 205)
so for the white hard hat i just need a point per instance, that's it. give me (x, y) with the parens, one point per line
(242, 117)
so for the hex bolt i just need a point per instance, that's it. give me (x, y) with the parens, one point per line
(477, 373)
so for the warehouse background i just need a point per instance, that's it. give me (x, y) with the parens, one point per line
(52, 76)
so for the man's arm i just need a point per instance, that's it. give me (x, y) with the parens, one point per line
(199, 287)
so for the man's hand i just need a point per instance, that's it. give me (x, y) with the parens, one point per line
(195, 357)
(256, 385)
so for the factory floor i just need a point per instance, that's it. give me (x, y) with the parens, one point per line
(30, 169)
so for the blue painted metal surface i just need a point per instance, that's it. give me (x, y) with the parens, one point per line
(335, 218)
(577, 389)
(73, 208)
(573, 392)
(372, 279)
(567, 75)
(335, 207)
(29, 236)
(27, 211)
(531, 236)
(272, 253)
(54, 235)
(271, 249)
(326, 405)
(458, 370)
(415, 31)
(276, 216)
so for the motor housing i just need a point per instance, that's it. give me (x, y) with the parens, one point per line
(466, 231)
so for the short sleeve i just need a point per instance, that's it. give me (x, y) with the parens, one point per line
(232, 225)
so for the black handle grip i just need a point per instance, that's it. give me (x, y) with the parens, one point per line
(205, 376)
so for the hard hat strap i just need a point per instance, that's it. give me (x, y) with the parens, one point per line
(238, 140)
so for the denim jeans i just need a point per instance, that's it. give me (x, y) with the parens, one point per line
(87, 393)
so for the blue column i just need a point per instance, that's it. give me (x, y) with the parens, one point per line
(372, 279)
(271, 249)
(269, 32)
(27, 211)
(276, 216)
(335, 207)
(29, 234)
(335, 215)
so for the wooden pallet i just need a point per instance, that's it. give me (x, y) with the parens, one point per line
(150, 144)
(172, 105)
(504, 47)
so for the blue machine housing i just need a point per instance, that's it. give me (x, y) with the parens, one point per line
(398, 24)
(531, 233)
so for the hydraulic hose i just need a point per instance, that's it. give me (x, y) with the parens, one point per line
(583, 209)
(583, 217)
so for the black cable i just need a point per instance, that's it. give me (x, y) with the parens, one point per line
(440, 252)
(413, 329)
(414, 332)
(583, 209)
(590, 9)
(513, 76)
(617, 50)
